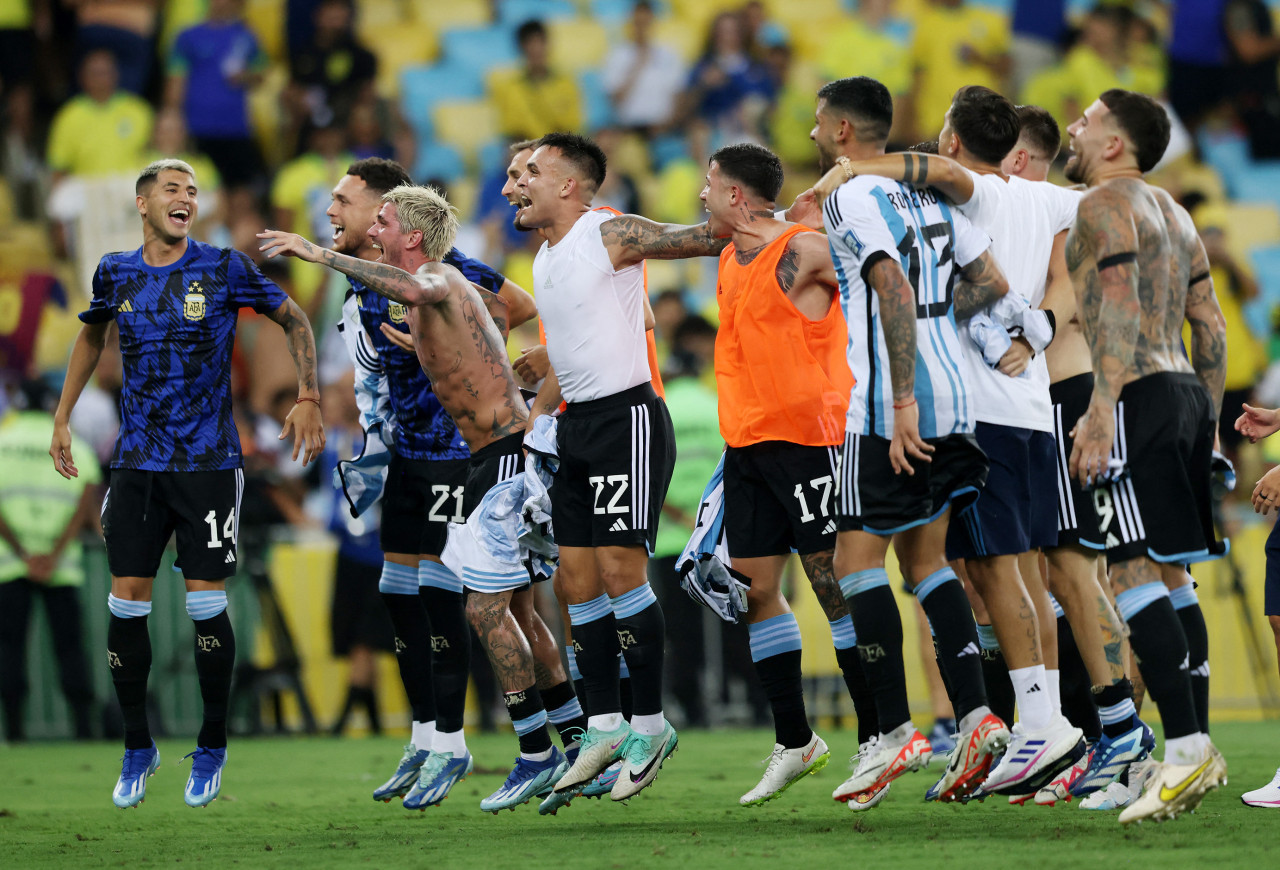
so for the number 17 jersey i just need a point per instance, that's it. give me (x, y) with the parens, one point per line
(869, 219)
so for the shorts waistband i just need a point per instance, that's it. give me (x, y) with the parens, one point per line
(1158, 379)
(1068, 386)
(507, 444)
(637, 395)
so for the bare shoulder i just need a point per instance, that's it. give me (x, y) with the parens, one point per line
(1104, 201)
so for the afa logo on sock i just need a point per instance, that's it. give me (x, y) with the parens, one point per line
(113, 660)
(207, 642)
(439, 643)
(626, 639)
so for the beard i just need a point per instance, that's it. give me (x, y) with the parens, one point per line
(1074, 170)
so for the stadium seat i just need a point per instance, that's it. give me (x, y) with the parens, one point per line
(614, 11)
(1266, 269)
(1251, 225)
(444, 15)
(466, 125)
(597, 108)
(480, 48)
(1261, 183)
(421, 87)
(513, 13)
(577, 45)
(684, 40)
(1228, 153)
(436, 160)
(400, 47)
(265, 18)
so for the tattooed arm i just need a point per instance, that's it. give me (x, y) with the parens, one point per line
(980, 284)
(806, 274)
(948, 176)
(304, 420)
(1208, 329)
(548, 398)
(498, 309)
(898, 321)
(631, 238)
(520, 305)
(429, 285)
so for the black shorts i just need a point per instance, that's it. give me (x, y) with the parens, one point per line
(421, 498)
(779, 497)
(874, 499)
(358, 616)
(489, 466)
(616, 459)
(1161, 506)
(1271, 591)
(1015, 512)
(1077, 520)
(143, 509)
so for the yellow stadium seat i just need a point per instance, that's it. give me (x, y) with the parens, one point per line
(406, 44)
(462, 195)
(788, 11)
(6, 204)
(266, 19)
(683, 39)
(444, 14)
(1251, 225)
(465, 124)
(578, 44)
(696, 15)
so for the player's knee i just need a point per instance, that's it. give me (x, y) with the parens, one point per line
(764, 596)
(483, 610)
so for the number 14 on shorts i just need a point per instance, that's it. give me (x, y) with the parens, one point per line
(228, 529)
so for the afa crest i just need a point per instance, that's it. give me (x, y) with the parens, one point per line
(193, 306)
(397, 312)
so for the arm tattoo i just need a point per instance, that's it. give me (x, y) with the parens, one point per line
(981, 283)
(1208, 340)
(915, 168)
(641, 238)
(787, 269)
(386, 280)
(302, 343)
(497, 307)
(898, 320)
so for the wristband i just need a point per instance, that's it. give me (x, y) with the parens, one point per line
(307, 399)
(898, 407)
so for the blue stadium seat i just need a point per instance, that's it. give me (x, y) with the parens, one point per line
(611, 11)
(421, 87)
(1228, 153)
(492, 157)
(1266, 268)
(479, 49)
(1261, 183)
(515, 12)
(434, 160)
(597, 109)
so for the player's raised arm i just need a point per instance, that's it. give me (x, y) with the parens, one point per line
(427, 286)
(1208, 329)
(943, 173)
(304, 420)
(631, 238)
(84, 360)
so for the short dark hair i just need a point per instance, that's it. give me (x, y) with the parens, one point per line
(1143, 120)
(523, 145)
(380, 174)
(1040, 130)
(586, 157)
(755, 166)
(532, 27)
(985, 121)
(929, 146)
(865, 102)
(693, 326)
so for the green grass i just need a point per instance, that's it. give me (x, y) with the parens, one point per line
(296, 802)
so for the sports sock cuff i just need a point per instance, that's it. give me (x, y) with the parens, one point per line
(206, 604)
(126, 609)
(590, 611)
(842, 634)
(571, 655)
(1058, 612)
(437, 576)
(566, 712)
(624, 672)
(774, 636)
(631, 603)
(530, 723)
(932, 582)
(987, 637)
(398, 579)
(863, 581)
(1122, 712)
(1184, 596)
(1133, 601)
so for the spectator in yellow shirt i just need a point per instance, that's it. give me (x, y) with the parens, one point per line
(955, 45)
(533, 99)
(104, 130)
(1106, 57)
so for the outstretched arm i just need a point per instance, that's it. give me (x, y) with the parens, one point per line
(520, 305)
(948, 176)
(631, 238)
(84, 359)
(304, 420)
(1208, 329)
(427, 286)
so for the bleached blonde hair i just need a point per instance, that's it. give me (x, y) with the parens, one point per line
(152, 172)
(426, 210)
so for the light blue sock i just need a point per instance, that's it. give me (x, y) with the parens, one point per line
(1133, 601)
(398, 579)
(126, 609)
(774, 636)
(206, 605)
(438, 576)
(842, 634)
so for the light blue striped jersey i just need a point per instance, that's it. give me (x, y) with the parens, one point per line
(868, 219)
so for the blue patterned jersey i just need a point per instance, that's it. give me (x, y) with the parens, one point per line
(423, 429)
(177, 326)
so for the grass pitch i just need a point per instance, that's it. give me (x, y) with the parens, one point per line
(298, 802)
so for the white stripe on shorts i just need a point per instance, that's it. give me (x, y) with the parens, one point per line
(640, 467)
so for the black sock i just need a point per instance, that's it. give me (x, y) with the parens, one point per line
(626, 697)
(129, 656)
(530, 719)
(1109, 696)
(368, 698)
(879, 627)
(956, 641)
(642, 637)
(1155, 633)
(215, 662)
(564, 712)
(413, 652)
(995, 676)
(1074, 686)
(780, 677)
(864, 700)
(1192, 619)
(451, 654)
(597, 645)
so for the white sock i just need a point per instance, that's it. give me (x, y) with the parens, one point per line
(450, 741)
(537, 756)
(1031, 692)
(1055, 689)
(423, 733)
(1185, 750)
(606, 722)
(900, 735)
(650, 725)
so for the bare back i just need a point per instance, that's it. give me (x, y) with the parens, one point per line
(461, 349)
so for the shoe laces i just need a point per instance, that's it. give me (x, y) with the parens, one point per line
(773, 759)
(523, 771)
(204, 761)
(433, 766)
(136, 761)
(866, 751)
(638, 748)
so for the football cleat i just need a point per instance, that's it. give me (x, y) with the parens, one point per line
(436, 778)
(970, 760)
(880, 762)
(1033, 758)
(784, 767)
(865, 800)
(131, 787)
(1116, 796)
(527, 780)
(206, 776)
(597, 750)
(1267, 796)
(1173, 789)
(1111, 755)
(556, 800)
(603, 784)
(405, 776)
(1060, 788)
(643, 759)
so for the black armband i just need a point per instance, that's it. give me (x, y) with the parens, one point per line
(1196, 279)
(1117, 259)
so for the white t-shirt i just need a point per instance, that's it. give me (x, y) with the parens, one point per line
(593, 316)
(1022, 217)
(867, 218)
(658, 83)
